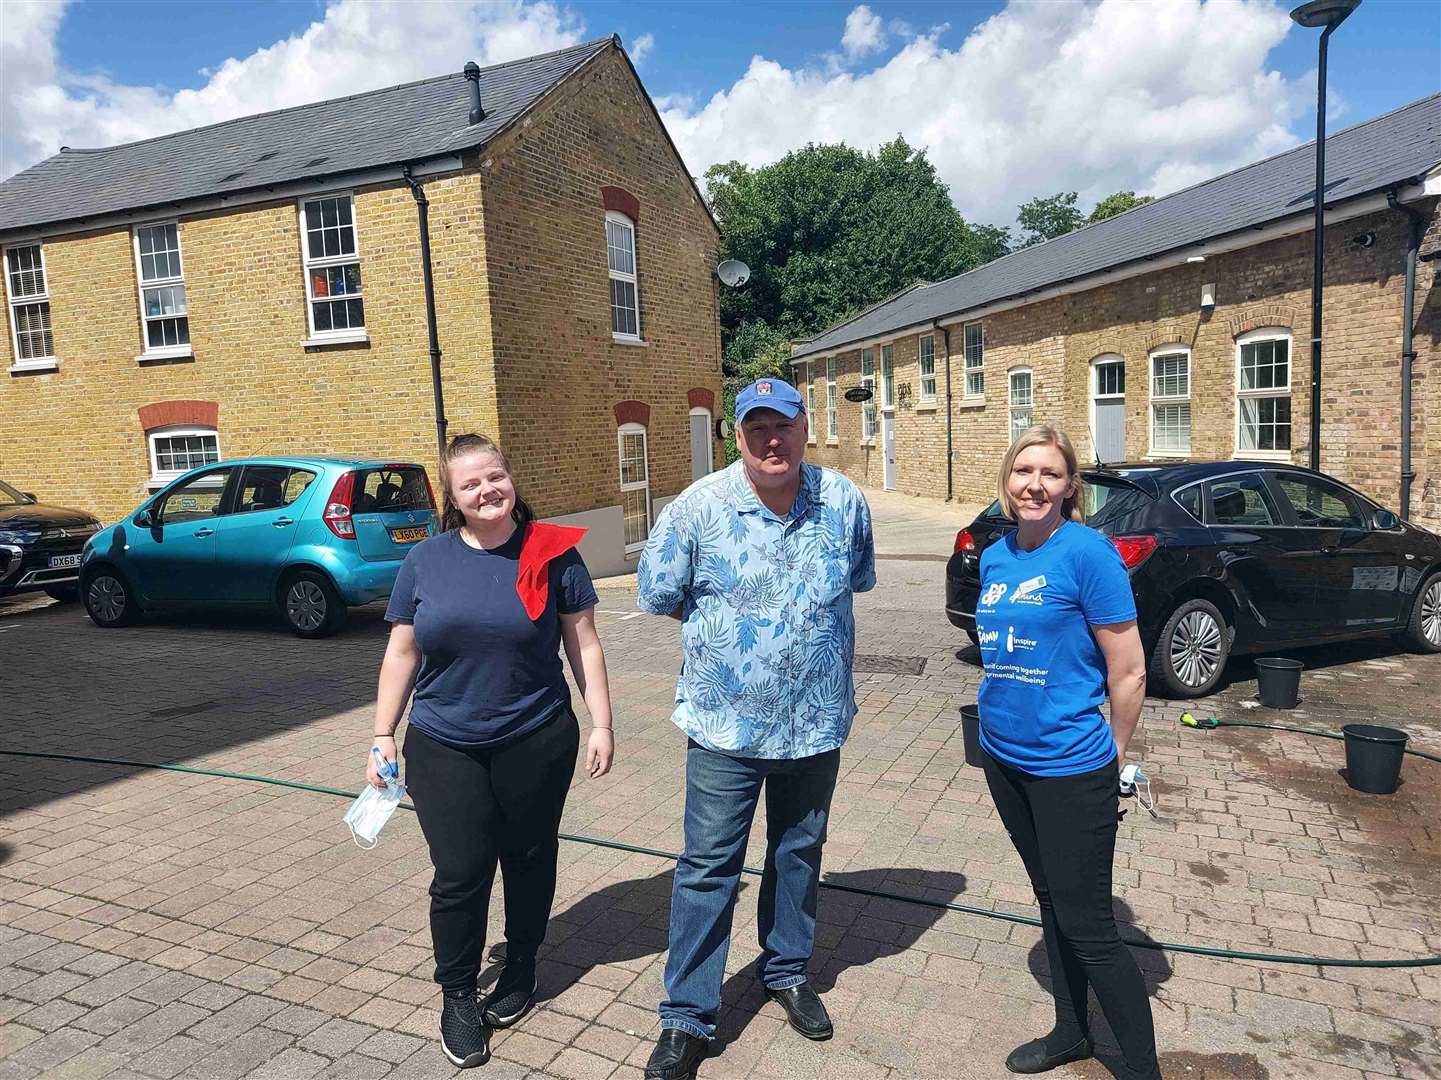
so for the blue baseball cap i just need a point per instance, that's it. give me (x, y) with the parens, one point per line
(774, 394)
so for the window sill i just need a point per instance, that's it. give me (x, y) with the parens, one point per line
(868, 442)
(1169, 455)
(888, 410)
(833, 442)
(27, 367)
(1262, 455)
(621, 339)
(183, 352)
(972, 403)
(350, 337)
(927, 406)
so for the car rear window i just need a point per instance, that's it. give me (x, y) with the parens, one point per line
(1110, 503)
(391, 488)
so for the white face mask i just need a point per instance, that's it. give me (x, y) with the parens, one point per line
(371, 810)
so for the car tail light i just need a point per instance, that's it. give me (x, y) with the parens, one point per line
(1134, 549)
(337, 507)
(965, 542)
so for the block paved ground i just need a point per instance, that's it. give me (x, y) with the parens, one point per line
(164, 925)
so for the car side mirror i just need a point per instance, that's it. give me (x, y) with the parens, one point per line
(146, 518)
(1385, 520)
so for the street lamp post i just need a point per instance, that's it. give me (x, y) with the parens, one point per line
(1328, 14)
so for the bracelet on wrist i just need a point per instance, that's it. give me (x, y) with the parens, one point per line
(379, 736)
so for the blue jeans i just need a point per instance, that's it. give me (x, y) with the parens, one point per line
(721, 793)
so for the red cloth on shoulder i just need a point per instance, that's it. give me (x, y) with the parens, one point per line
(542, 544)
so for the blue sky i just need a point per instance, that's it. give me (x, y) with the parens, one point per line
(1149, 94)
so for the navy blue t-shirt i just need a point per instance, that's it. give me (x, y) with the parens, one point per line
(1045, 676)
(488, 674)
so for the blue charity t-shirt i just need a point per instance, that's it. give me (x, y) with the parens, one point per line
(488, 674)
(1045, 676)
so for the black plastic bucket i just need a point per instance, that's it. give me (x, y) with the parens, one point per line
(971, 733)
(1278, 682)
(1373, 757)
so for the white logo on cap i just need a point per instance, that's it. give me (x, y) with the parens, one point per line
(763, 388)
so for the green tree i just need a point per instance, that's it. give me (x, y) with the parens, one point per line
(1115, 204)
(1047, 217)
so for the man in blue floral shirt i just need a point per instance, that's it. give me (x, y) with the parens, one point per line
(758, 562)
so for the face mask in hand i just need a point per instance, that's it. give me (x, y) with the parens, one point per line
(371, 810)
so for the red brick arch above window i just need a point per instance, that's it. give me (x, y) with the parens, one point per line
(1165, 335)
(1255, 318)
(632, 412)
(698, 397)
(190, 413)
(621, 201)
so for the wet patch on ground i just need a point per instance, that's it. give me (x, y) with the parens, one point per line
(1209, 872)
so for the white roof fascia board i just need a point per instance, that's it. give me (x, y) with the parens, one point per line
(278, 193)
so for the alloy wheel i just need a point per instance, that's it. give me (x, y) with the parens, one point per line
(106, 597)
(305, 605)
(1431, 613)
(1196, 649)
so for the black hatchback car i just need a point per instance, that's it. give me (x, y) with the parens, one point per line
(1237, 556)
(40, 546)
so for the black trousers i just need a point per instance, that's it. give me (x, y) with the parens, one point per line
(477, 807)
(1064, 829)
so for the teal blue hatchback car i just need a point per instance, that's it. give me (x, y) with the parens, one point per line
(307, 536)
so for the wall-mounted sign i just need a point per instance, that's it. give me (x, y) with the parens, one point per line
(859, 393)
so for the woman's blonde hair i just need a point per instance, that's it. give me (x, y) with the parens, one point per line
(1074, 506)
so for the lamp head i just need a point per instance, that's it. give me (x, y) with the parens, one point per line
(1317, 13)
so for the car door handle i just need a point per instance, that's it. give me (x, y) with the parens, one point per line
(280, 523)
(204, 532)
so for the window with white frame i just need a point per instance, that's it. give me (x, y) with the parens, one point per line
(161, 281)
(1263, 393)
(634, 485)
(868, 380)
(1171, 402)
(1020, 401)
(176, 450)
(811, 424)
(888, 376)
(29, 297)
(332, 268)
(926, 361)
(620, 256)
(975, 360)
(832, 399)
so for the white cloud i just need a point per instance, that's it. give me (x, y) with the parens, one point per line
(865, 33)
(357, 45)
(641, 47)
(1039, 98)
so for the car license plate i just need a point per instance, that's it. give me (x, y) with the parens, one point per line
(59, 561)
(409, 536)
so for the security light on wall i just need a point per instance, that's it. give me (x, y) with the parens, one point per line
(1208, 297)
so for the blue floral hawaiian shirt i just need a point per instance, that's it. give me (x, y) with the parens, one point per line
(768, 631)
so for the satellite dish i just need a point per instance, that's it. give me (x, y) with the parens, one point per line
(733, 272)
(724, 429)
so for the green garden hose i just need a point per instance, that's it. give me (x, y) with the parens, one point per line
(1211, 722)
(615, 845)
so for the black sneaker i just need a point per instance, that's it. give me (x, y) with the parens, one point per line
(513, 993)
(462, 1033)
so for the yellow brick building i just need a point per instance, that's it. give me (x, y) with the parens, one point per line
(258, 287)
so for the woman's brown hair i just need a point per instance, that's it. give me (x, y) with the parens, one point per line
(459, 447)
(1074, 506)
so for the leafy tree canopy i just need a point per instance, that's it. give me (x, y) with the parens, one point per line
(1045, 218)
(1115, 204)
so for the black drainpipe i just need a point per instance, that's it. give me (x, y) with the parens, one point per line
(950, 472)
(422, 208)
(1408, 348)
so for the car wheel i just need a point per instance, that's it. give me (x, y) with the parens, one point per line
(1191, 650)
(312, 607)
(63, 593)
(108, 599)
(1423, 631)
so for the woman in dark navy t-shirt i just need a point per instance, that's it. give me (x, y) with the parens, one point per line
(1056, 625)
(479, 614)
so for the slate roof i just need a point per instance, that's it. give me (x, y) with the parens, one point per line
(1370, 157)
(407, 123)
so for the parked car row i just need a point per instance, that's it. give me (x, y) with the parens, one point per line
(307, 536)
(1238, 556)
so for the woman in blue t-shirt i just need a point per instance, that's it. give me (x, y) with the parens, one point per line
(1057, 628)
(479, 613)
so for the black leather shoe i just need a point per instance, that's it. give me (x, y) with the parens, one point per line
(676, 1055)
(804, 1010)
(1031, 1057)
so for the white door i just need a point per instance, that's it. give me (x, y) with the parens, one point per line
(701, 447)
(888, 443)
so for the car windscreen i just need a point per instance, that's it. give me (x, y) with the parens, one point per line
(1113, 504)
(390, 488)
(10, 497)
